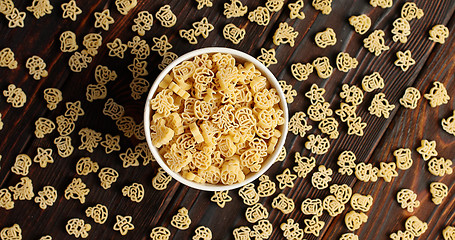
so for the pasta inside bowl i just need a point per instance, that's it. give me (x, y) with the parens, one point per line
(215, 119)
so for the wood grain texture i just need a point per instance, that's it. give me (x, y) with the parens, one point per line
(404, 128)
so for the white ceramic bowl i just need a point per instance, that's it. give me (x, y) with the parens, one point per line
(240, 57)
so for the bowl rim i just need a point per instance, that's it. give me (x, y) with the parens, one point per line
(267, 162)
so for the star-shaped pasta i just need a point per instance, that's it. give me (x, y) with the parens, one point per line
(315, 94)
(203, 3)
(404, 60)
(71, 10)
(427, 149)
(123, 224)
(162, 45)
(203, 28)
(16, 18)
(267, 57)
(356, 126)
(103, 19)
(221, 198)
(43, 157)
(117, 48)
(138, 68)
(286, 179)
(111, 143)
(387, 171)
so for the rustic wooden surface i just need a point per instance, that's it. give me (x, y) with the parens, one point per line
(404, 128)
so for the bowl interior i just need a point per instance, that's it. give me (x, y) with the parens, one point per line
(241, 58)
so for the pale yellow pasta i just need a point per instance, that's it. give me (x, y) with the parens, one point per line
(71, 10)
(375, 42)
(233, 33)
(437, 95)
(325, 38)
(325, 6)
(166, 17)
(285, 34)
(123, 224)
(260, 15)
(103, 19)
(234, 9)
(181, 220)
(439, 34)
(361, 23)
(404, 60)
(313, 226)
(295, 9)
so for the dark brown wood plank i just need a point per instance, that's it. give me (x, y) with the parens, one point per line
(404, 128)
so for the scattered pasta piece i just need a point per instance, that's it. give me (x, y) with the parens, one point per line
(103, 19)
(427, 149)
(381, 3)
(404, 60)
(43, 126)
(43, 157)
(372, 82)
(7, 58)
(329, 126)
(296, 10)
(301, 71)
(89, 139)
(188, 35)
(380, 106)
(346, 162)
(266, 186)
(71, 10)
(76, 190)
(138, 68)
(129, 158)
(325, 38)
(11, 233)
(284, 204)
(202, 233)
(291, 230)
(304, 165)
(361, 23)
(181, 220)
(64, 147)
(438, 192)
(23, 190)
(349, 236)
(410, 11)
(356, 126)
(325, 6)
(203, 3)
(400, 235)
(366, 172)
(47, 237)
(403, 158)
(288, 91)
(124, 6)
(408, 199)
(354, 220)
(111, 143)
(162, 45)
(286, 179)
(235, 9)
(401, 30)
(315, 94)
(341, 192)
(142, 23)
(317, 144)
(448, 233)
(256, 212)
(22, 165)
(166, 17)
(135, 192)
(92, 42)
(117, 48)
(161, 180)
(313, 226)
(387, 171)
(107, 176)
(361, 202)
(437, 95)
(160, 233)
(262, 230)
(410, 98)
(260, 15)
(221, 198)
(448, 124)
(416, 226)
(312, 207)
(98, 213)
(6, 200)
(439, 34)
(139, 48)
(375, 42)
(15, 96)
(345, 62)
(46, 197)
(233, 33)
(249, 194)
(284, 34)
(333, 206)
(74, 110)
(322, 177)
(16, 18)
(68, 42)
(80, 60)
(123, 224)
(274, 5)
(440, 166)
(203, 28)
(267, 57)
(168, 57)
(351, 94)
(323, 67)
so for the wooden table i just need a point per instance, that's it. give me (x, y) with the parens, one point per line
(404, 128)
